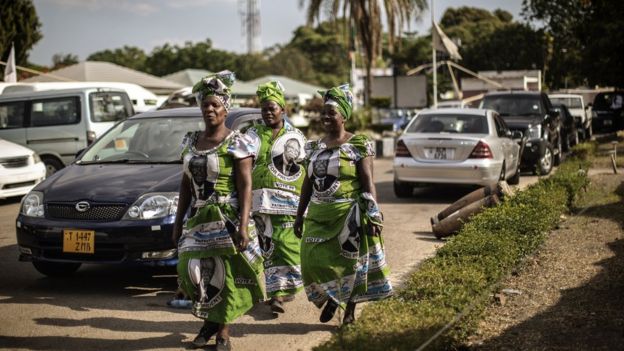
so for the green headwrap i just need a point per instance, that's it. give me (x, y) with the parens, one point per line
(271, 91)
(218, 84)
(341, 97)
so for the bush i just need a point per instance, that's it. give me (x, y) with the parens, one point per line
(465, 271)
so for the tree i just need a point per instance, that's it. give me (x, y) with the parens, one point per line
(169, 59)
(61, 60)
(19, 24)
(127, 56)
(364, 17)
(585, 38)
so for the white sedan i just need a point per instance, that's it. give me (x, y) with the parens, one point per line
(20, 169)
(456, 146)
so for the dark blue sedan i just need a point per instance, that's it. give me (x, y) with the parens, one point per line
(117, 202)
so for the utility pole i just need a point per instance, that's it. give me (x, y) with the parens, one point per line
(435, 66)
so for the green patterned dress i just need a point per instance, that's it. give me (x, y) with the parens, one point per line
(223, 283)
(339, 261)
(277, 179)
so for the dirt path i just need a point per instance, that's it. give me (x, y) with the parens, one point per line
(570, 295)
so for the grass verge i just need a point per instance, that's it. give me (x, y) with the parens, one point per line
(463, 274)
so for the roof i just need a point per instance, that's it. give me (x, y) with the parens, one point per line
(187, 77)
(96, 71)
(292, 87)
(513, 92)
(56, 92)
(455, 111)
(190, 112)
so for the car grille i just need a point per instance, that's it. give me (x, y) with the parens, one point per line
(97, 212)
(14, 162)
(18, 185)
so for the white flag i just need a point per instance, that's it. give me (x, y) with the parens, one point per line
(10, 74)
(442, 43)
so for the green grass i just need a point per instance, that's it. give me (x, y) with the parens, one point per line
(465, 271)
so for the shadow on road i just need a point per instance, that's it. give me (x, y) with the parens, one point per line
(437, 194)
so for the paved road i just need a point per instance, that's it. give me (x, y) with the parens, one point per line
(122, 308)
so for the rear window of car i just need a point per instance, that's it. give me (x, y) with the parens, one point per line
(12, 115)
(449, 123)
(608, 101)
(570, 102)
(55, 112)
(109, 106)
(513, 105)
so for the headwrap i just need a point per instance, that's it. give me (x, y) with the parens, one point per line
(218, 85)
(341, 97)
(271, 91)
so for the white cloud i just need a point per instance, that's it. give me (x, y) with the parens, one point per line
(199, 3)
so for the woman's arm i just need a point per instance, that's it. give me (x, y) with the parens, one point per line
(304, 200)
(365, 175)
(184, 201)
(242, 175)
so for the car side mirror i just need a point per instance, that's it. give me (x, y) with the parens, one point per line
(516, 134)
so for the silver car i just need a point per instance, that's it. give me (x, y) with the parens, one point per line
(456, 146)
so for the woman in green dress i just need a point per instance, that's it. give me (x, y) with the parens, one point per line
(219, 257)
(342, 256)
(277, 179)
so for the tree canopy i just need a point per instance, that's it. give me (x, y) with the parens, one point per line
(19, 25)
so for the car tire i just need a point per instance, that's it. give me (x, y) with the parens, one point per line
(56, 269)
(545, 163)
(515, 179)
(403, 190)
(52, 165)
(567, 145)
(502, 172)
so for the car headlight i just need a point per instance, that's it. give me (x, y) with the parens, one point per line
(32, 204)
(36, 158)
(534, 132)
(153, 205)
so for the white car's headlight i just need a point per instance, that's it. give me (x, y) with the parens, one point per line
(32, 204)
(36, 158)
(153, 205)
(534, 132)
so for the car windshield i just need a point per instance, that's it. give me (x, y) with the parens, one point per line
(608, 101)
(513, 105)
(449, 123)
(570, 102)
(142, 140)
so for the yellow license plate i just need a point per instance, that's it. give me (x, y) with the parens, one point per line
(79, 241)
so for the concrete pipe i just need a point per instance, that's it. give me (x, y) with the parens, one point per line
(454, 221)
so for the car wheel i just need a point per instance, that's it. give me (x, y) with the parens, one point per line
(515, 179)
(402, 189)
(56, 269)
(52, 165)
(558, 152)
(545, 163)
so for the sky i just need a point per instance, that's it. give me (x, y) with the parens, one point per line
(82, 27)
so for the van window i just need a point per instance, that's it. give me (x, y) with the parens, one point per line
(12, 115)
(54, 112)
(109, 106)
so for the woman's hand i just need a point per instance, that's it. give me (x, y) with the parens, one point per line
(241, 239)
(374, 229)
(298, 227)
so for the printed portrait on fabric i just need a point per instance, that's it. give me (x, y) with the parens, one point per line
(286, 154)
(264, 228)
(211, 280)
(349, 236)
(324, 168)
(204, 170)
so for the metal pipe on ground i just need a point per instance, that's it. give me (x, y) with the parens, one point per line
(452, 223)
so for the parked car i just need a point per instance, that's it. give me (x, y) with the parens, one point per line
(142, 99)
(58, 123)
(579, 110)
(569, 131)
(608, 112)
(456, 146)
(20, 169)
(117, 202)
(532, 114)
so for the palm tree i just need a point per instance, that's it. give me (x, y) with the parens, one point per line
(365, 19)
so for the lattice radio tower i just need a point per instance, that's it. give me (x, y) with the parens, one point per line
(249, 11)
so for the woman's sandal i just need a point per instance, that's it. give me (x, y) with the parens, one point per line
(223, 344)
(328, 311)
(277, 306)
(205, 333)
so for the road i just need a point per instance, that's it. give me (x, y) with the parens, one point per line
(123, 308)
